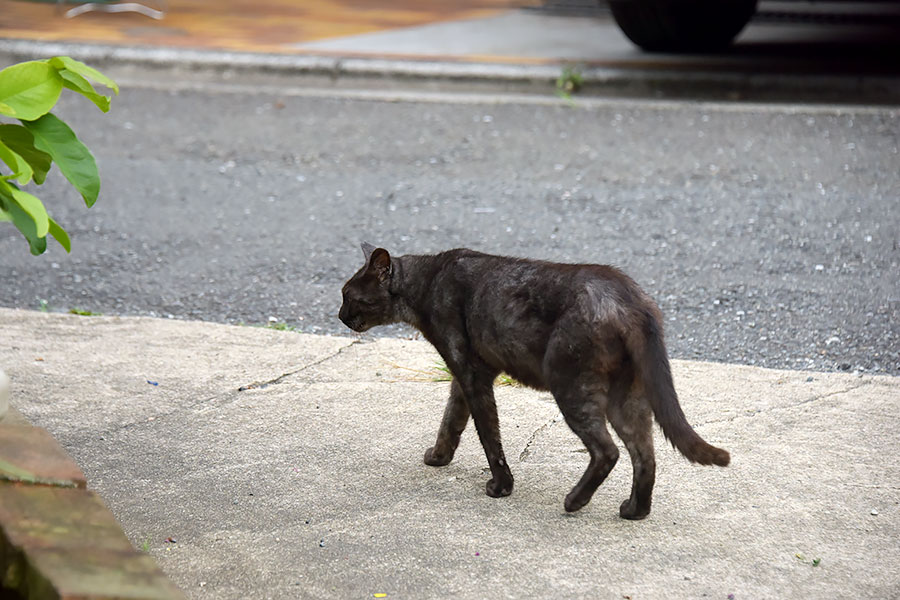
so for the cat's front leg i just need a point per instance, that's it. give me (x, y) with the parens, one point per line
(475, 384)
(484, 412)
(456, 416)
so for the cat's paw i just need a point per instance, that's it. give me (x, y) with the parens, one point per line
(437, 460)
(575, 501)
(630, 510)
(496, 489)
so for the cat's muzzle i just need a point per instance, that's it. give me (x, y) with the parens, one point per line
(354, 322)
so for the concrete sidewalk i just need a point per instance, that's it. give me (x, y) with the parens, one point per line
(310, 481)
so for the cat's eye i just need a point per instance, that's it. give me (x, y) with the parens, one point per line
(350, 299)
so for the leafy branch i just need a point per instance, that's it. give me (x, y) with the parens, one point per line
(28, 92)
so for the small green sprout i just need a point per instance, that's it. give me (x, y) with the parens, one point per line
(443, 374)
(569, 82)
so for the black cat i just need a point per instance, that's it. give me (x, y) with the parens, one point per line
(586, 333)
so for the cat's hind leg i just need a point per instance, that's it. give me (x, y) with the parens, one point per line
(456, 416)
(585, 412)
(631, 417)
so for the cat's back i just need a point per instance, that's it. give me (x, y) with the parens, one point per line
(547, 290)
(481, 274)
(493, 270)
(470, 268)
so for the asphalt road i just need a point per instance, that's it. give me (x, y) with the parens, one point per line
(769, 234)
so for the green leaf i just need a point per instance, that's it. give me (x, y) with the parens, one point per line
(22, 220)
(77, 83)
(53, 136)
(32, 206)
(20, 141)
(21, 170)
(70, 64)
(29, 90)
(60, 235)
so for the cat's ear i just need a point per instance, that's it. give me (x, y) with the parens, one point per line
(380, 263)
(367, 249)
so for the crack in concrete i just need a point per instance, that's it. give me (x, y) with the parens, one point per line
(203, 406)
(759, 411)
(830, 394)
(534, 435)
(283, 376)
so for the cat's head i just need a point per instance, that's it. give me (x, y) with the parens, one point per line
(367, 298)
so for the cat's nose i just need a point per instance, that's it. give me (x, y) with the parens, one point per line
(344, 316)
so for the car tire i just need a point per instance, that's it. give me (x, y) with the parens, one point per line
(682, 25)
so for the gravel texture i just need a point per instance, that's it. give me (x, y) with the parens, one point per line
(769, 235)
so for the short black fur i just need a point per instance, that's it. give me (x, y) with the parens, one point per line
(587, 333)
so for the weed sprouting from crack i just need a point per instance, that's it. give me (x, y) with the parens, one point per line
(568, 83)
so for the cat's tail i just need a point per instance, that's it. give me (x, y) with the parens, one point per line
(652, 364)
